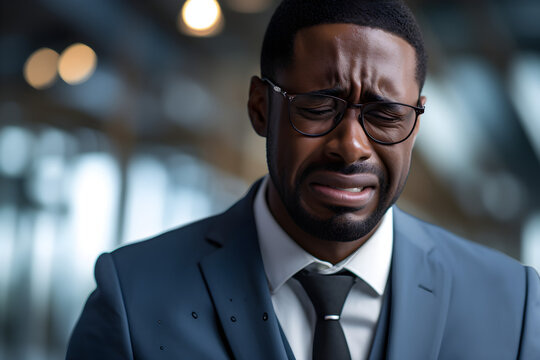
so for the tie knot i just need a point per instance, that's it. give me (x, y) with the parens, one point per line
(327, 292)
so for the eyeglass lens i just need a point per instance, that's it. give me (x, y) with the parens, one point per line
(318, 114)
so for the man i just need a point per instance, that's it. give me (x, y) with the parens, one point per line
(316, 262)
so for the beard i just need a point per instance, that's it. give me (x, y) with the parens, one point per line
(340, 226)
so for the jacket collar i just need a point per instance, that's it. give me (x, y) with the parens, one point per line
(421, 287)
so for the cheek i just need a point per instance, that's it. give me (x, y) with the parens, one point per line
(401, 167)
(282, 149)
(398, 164)
(294, 153)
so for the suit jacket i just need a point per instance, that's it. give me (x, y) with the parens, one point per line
(200, 292)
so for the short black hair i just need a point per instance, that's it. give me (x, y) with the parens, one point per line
(290, 16)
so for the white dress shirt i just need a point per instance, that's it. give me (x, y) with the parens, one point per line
(282, 258)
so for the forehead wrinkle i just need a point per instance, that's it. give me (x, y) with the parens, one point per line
(356, 78)
(353, 71)
(379, 77)
(349, 73)
(350, 58)
(375, 74)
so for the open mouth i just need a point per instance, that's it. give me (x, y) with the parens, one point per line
(352, 190)
(354, 197)
(335, 189)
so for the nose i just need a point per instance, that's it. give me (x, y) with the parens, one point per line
(348, 141)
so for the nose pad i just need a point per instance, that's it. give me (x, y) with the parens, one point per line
(348, 141)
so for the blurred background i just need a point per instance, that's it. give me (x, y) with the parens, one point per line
(120, 119)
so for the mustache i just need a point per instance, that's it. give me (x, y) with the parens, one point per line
(357, 168)
(345, 169)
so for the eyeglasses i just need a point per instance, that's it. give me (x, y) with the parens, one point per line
(313, 115)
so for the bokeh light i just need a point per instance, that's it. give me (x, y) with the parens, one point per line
(201, 18)
(15, 149)
(77, 63)
(40, 68)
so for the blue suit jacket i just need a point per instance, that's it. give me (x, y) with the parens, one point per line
(200, 292)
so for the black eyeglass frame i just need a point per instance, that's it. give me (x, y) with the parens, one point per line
(290, 97)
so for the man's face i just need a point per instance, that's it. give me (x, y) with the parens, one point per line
(338, 186)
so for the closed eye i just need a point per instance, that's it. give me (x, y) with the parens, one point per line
(389, 113)
(384, 116)
(317, 113)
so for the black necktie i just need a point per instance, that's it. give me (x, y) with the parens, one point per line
(328, 294)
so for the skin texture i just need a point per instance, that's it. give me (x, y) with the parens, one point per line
(361, 64)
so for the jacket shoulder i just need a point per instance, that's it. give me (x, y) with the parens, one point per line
(189, 243)
(453, 248)
(184, 245)
(492, 293)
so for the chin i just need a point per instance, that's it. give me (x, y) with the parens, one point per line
(343, 226)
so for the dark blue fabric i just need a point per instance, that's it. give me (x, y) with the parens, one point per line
(200, 292)
(288, 350)
(380, 338)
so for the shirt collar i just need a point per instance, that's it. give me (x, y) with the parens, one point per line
(283, 257)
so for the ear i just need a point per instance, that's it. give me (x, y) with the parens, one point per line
(423, 100)
(258, 105)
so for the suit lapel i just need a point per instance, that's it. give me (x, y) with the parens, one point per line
(420, 293)
(238, 286)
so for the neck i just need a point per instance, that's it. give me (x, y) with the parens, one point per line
(331, 251)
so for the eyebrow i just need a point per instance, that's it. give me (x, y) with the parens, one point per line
(370, 96)
(336, 91)
(367, 96)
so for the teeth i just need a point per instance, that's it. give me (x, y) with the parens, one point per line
(354, 190)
